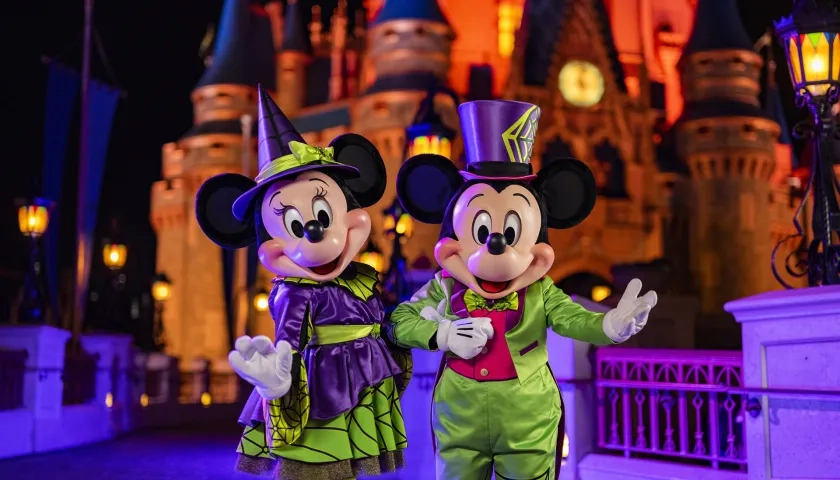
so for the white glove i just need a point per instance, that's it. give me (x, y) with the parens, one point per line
(631, 314)
(260, 363)
(464, 337)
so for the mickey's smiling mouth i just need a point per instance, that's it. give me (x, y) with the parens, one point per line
(326, 268)
(492, 287)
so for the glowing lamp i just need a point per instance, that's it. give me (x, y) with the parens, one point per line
(600, 292)
(397, 221)
(811, 45)
(109, 400)
(261, 301)
(430, 138)
(372, 257)
(144, 400)
(34, 216)
(161, 287)
(206, 400)
(565, 450)
(114, 255)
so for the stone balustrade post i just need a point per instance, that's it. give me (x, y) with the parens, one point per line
(791, 378)
(43, 387)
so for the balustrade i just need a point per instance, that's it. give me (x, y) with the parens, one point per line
(12, 368)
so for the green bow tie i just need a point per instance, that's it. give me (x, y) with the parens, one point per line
(474, 301)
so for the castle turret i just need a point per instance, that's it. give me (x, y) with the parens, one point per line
(243, 55)
(727, 142)
(410, 36)
(293, 59)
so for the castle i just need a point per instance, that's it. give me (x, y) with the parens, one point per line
(660, 99)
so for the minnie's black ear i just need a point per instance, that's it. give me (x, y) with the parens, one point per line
(426, 184)
(214, 211)
(357, 151)
(568, 189)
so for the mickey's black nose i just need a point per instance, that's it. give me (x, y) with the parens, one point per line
(496, 244)
(313, 231)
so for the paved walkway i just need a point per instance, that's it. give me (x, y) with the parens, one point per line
(151, 456)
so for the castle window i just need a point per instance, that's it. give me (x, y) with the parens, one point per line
(510, 16)
(420, 31)
(391, 35)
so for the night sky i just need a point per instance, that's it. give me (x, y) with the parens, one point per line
(152, 47)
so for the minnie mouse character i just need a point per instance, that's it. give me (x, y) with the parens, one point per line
(326, 398)
(496, 404)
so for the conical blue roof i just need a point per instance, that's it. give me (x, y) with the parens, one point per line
(295, 33)
(243, 51)
(410, 10)
(717, 26)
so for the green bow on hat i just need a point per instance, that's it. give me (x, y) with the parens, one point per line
(302, 155)
(474, 301)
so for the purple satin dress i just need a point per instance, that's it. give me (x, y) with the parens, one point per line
(336, 373)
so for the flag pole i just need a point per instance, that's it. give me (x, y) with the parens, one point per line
(82, 249)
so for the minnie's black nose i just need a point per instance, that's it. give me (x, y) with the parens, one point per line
(313, 231)
(496, 244)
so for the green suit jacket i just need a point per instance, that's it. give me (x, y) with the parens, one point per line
(546, 306)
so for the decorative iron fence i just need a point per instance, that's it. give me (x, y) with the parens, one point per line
(12, 368)
(679, 404)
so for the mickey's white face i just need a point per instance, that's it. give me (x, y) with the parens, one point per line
(496, 251)
(313, 234)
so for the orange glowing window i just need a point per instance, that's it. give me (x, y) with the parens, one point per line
(510, 15)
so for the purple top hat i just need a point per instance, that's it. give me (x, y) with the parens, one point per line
(274, 133)
(498, 139)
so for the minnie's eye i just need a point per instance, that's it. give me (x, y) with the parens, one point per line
(322, 211)
(481, 227)
(513, 227)
(293, 222)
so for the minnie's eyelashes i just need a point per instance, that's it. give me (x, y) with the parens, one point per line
(321, 192)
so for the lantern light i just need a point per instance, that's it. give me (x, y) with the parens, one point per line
(397, 221)
(113, 254)
(600, 292)
(809, 38)
(161, 287)
(34, 216)
(427, 132)
(372, 257)
(261, 301)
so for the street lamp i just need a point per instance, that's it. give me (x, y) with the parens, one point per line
(161, 291)
(33, 220)
(427, 132)
(114, 254)
(261, 301)
(372, 257)
(398, 226)
(809, 38)
(600, 292)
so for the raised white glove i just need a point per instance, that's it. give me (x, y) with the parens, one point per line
(631, 313)
(464, 337)
(260, 363)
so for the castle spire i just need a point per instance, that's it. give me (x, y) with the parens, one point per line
(717, 26)
(295, 38)
(427, 10)
(243, 53)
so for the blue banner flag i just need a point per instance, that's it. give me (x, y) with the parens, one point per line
(102, 104)
(62, 89)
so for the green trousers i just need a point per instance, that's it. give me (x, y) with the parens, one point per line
(507, 427)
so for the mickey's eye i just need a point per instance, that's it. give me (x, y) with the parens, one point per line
(293, 222)
(481, 227)
(513, 227)
(322, 211)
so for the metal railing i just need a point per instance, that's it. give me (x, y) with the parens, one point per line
(684, 405)
(12, 368)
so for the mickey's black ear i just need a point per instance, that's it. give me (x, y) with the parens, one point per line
(214, 211)
(425, 185)
(357, 151)
(568, 189)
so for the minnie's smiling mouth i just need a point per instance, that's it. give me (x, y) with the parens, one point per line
(326, 268)
(492, 287)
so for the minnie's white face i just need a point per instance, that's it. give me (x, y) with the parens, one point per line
(313, 234)
(496, 251)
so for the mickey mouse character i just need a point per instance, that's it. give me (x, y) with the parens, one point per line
(496, 404)
(326, 398)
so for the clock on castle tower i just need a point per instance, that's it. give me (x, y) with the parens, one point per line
(581, 83)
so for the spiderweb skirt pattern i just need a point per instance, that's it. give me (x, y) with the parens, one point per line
(367, 440)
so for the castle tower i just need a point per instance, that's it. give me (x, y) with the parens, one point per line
(292, 61)
(195, 318)
(409, 44)
(728, 143)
